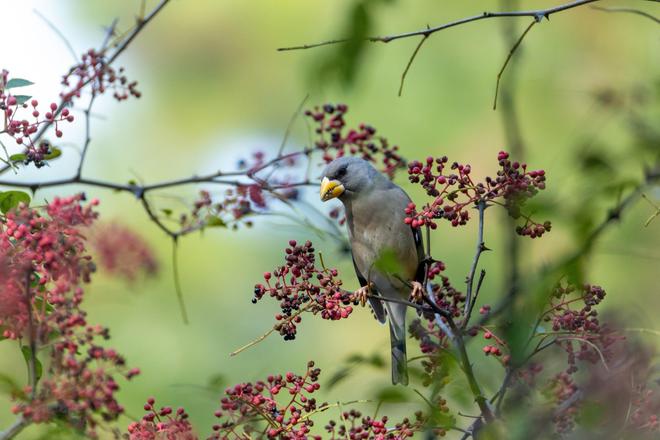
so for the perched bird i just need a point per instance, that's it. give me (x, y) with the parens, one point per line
(387, 253)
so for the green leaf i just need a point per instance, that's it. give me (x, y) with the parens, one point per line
(20, 157)
(55, 152)
(38, 302)
(27, 355)
(22, 99)
(214, 221)
(11, 199)
(18, 82)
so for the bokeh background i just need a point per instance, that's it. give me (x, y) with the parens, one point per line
(215, 89)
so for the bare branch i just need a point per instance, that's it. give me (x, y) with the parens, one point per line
(410, 61)
(177, 280)
(629, 11)
(537, 14)
(14, 429)
(59, 33)
(481, 206)
(508, 58)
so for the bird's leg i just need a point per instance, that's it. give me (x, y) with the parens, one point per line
(417, 293)
(362, 293)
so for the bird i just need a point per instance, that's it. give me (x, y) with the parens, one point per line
(388, 254)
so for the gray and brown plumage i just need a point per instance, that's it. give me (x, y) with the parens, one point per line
(375, 213)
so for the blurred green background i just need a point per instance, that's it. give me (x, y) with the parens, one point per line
(215, 89)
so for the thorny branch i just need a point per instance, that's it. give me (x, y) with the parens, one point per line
(537, 14)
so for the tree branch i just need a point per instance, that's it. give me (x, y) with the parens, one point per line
(508, 58)
(629, 11)
(481, 206)
(14, 429)
(410, 61)
(537, 14)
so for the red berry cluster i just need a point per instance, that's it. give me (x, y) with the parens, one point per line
(122, 252)
(282, 403)
(334, 140)
(453, 190)
(587, 339)
(354, 426)
(562, 389)
(163, 423)
(22, 128)
(44, 263)
(300, 286)
(238, 204)
(645, 410)
(496, 345)
(94, 69)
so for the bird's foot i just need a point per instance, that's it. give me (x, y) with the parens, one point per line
(417, 293)
(362, 293)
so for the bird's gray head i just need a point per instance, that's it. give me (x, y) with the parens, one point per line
(347, 176)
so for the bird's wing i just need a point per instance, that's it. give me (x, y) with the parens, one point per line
(421, 254)
(376, 305)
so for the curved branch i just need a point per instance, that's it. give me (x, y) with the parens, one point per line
(537, 14)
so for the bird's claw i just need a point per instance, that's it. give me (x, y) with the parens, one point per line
(417, 293)
(362, 293)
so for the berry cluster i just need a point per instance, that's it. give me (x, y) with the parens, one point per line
(354, 426)
(496, 345)
(587, 339)
(430, 330)
(237, 204)
(44, 263)
(163, 423)
(284, 403)
(94, 69)
(563, 389)
(300, 286)
(122, 252)
(334, 140)
(453, 190)
(22, 128)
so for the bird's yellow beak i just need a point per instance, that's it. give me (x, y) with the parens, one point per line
(330, 189)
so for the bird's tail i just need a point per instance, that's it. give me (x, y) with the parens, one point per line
(397, 320)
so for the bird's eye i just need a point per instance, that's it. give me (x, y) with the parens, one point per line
(341, 172)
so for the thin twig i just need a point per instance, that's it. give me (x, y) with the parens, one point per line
(508, 58)
(410, 61)
(537, 14)
(269, 332)
(88, 135)
(481, 206)
(177, 280)
(59, 33)
(482, 275)
(629, 11)
(287, 132)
